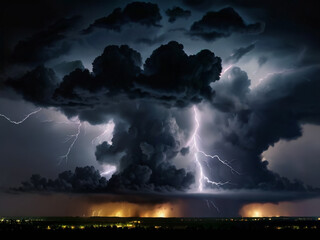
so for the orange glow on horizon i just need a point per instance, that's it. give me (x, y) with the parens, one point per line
(125, 209)
(265, 210)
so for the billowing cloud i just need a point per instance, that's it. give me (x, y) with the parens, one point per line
(143, 13)
(177, 12)
(221, 24)
(148, 135)
(170, 77)
(115, 71)
(249, 121)
(177, 77)
(149, 98)
(143, 103)
(145, 141)
(149, 139)
(36, 86)
(201, 4)
(83, 179)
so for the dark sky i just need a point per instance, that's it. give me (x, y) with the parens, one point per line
(170, 101)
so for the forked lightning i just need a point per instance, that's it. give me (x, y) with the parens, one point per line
(202, 177)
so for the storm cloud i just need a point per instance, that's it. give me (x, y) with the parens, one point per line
(177, 12)
(149, 144)
(169, 77)
(83, 179)
(251, 120)
(148, 134)
(36, 86)
(221, 24)
(148, 91)
(143, 13)
(200, 4)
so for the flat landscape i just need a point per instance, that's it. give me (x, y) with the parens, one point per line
(115, 225)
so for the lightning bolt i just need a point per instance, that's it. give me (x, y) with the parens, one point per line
(225, 70)
(211, 203)
(108, 170)
(202, 177)
(74, 138)
(99, 139)
(21, 121)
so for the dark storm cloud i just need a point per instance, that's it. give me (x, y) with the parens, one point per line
(147, 135)
(144, 143)
(144, 99)
(232, 92)
(180, 78)
(200, 4)
(83, 179)
(222, 23)
(239, 53)
(143, 13)
(250, 121)
(121, 138)
(290, 38)
(147, 141)
(170, 77)
(177, 12)
(64, 68)
(115, 70)
(46, 44)
(192, 204)
(148, 144)
(36, 86)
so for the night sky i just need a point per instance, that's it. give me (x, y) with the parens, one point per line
(160, 108)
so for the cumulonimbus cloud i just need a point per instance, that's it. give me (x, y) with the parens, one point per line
(142, 102)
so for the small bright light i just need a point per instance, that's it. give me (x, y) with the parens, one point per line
(108, 170)
(225, 70)
(161, 213)
(256, 213)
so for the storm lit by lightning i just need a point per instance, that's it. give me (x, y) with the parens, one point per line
(70, 138)
(225, 70)
(97, 140)
(108, 170)
(104, 136)
(202, 177)
(74, 138)
(21, 121)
